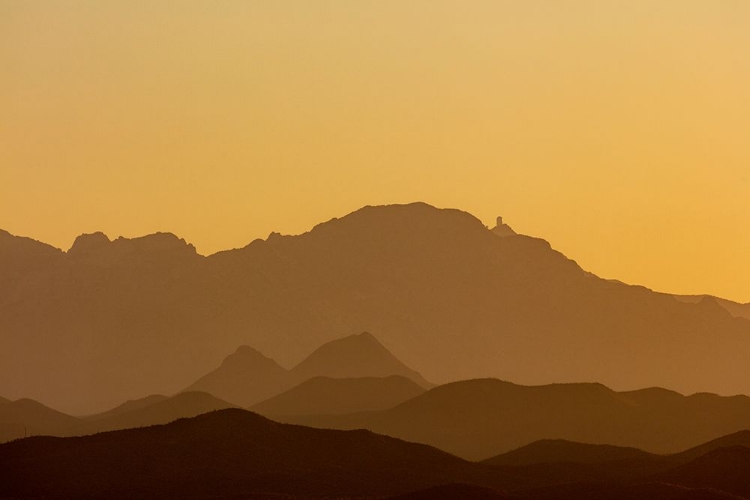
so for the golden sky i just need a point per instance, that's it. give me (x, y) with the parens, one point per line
(617, 130)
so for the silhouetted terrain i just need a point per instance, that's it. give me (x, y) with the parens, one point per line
(354, 356)
(186, 404)
(328, 396)
(560, 450)
(109, 321)
(128, 406)
(28, 417)
(476, 419)
(230, 452)
(735, 309)
(32, 418)
(238, 454)
(245, 378)
(248, 377)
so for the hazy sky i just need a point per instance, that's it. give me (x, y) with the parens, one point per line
(617, 130)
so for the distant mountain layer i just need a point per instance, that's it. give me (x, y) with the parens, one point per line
(329, 396)
(110, 320)
(247, 377)
(560, 450)
(477, 419)
(27, 417)
(238, 454)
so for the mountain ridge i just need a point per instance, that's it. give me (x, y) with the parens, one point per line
(447, 296)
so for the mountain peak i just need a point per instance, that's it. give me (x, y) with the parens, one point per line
(157, 242)
(245, 355)
(88, 243)
(359, 355)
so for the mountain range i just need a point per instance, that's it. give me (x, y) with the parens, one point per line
(111, 320)
(234, 453)
(247, 377)
(475, 419)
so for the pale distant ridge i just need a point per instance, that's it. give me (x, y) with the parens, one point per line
(449, 298)
(248, 377)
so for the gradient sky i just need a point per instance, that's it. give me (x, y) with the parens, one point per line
(617, 130)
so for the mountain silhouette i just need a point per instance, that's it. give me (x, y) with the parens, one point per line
(226, 453)
(28, 417)
(723, 469)
(247, 377)
(234, 453)
(129, 406)
(560, 450)
(354, 356)
(183, 405)
(109, 321)
(477, 419)
(325, 395)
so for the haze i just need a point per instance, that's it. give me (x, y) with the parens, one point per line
(616, 130)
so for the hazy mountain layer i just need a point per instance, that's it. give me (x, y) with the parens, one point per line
(476, 419)
(328, 396)
(247, 377)
(109, 321)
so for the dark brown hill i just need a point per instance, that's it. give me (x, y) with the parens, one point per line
(560, 450)
(723, 469)
(112, 320)
(222, 454)
(329, 396)
(477, 419)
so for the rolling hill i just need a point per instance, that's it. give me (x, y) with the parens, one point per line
(477, 419)
(234, 453)
(226, 453)
(328, 396)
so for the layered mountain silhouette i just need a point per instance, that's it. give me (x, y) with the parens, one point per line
(328, 396)
(561, 450)
(235, 453)
(111, 320)
(226, 453)
(476, 419)
(27, 417)
(247, 377)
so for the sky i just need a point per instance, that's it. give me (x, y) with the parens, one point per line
(617, 130)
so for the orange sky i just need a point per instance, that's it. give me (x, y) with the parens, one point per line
(617, 130)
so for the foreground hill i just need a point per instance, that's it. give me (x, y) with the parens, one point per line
(449, 297)
(238, 454)
(226, 453)
(247, 377)
(328, 396)
(477, 419)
